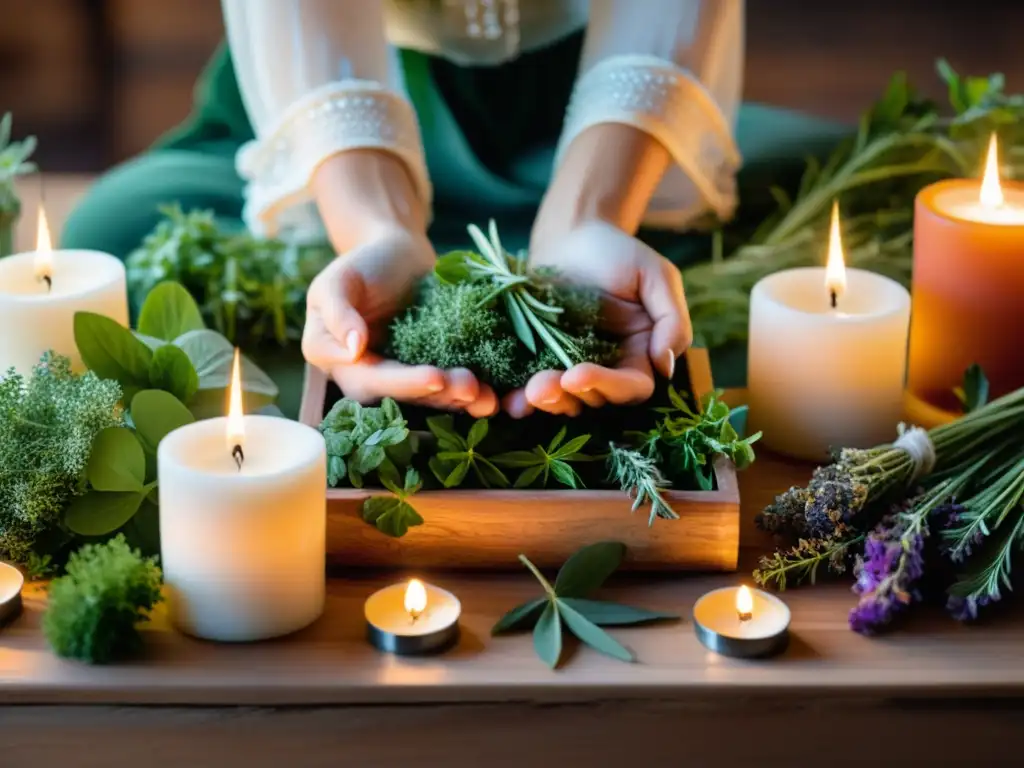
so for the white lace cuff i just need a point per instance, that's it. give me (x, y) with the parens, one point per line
(336, 117)
(671, 105)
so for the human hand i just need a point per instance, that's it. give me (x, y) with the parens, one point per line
(642, 305)
(348, 308)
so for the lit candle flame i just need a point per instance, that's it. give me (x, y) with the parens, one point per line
(43, 261)
(835, 268)
(991, 189)
(415, 598)
(236, 422)
(744, 603)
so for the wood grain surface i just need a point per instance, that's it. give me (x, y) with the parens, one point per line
(473, 529)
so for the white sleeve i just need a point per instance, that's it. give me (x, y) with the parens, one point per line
(672, 68)
(317, 77)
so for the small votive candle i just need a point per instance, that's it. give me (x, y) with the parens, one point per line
(742, 623)
(11, 584)
(412, 619)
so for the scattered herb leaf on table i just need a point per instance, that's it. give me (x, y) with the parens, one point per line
(568, 604)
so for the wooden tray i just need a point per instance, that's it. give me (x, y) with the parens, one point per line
(488, 529)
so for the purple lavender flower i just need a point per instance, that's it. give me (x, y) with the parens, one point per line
(887, 575)
(966, 608)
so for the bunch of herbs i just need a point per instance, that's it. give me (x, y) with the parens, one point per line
(14, 162)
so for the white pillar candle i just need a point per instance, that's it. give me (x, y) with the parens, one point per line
(243, 532)
(37, 314)
(823, 377)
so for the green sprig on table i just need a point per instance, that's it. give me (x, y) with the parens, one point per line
(14, 162)
(567, 607)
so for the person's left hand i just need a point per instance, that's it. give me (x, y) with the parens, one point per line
(642, 304)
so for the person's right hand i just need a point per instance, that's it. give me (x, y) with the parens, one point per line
(348, 308)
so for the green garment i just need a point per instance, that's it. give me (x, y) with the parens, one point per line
(489, 135)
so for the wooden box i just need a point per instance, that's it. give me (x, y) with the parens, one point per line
(488, 529)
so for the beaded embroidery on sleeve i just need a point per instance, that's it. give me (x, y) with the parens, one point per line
(671, 105)
(353, 114)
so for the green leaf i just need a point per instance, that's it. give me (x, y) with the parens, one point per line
(521, 617)
(593, 635)
(168, 312)
(453, 267)
(614, 614)
(172, 371)
(547, 635)
(116, 462)
(489, 474)
(443, 429)
(565, 474)
(974, 392)
(528, 476)
(337, 470)
(98, 513)
(589, 568)
(477, 433)
(111, 351)
(519, 323)
(392, 515)
(518, 459)
(557, 440)
(572, 447)
(212, 357)
(155, 414)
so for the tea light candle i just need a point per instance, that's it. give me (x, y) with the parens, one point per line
(742, 623)
(40, 292)
(412, 619)
(968, 285)
(11, 584)
(243, 518)
(827, 357)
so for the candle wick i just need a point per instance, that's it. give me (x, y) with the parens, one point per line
(415, 615)
(49, 282)
(238, 455)
(746, 616)
(834, 298)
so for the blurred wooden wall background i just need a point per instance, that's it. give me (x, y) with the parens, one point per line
(98, 80)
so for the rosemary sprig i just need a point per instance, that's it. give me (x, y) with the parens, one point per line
(638, 475)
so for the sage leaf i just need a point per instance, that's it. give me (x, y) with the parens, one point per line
(98, 513)
(589, 568)
(172, 371)
(547, 635)
(614, 614)
(155, 414)
(116, 461)
(521, 617)
(111, 351)
(391, 515)
(593, 635)
(212, 356)
(168, 312)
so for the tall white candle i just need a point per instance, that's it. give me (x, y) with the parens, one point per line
(824, 377)
(40, 292)
(243, 525)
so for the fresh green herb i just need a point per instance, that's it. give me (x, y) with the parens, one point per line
(93, 611)
(567, 604)
(39, 567)
(394, 515)
(171, 351)
(13, 163)
(359, 437)
(484, 311)
(638, 475)
(250, 290)
(458, 455)
(47, 426)
(542, 462)
(903, 144)
(800, 563)
(973, 393)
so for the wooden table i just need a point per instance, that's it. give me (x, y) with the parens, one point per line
(324, 697)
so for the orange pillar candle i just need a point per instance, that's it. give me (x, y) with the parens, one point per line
(968, 292)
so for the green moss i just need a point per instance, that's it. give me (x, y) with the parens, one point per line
(457, 326)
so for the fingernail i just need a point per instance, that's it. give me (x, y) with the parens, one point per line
(352, 344)
(550, 401)
(435, 388)
(585, 390)
(671, 364)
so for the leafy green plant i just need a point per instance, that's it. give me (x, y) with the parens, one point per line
(394, 515)
(251, 290)
(93, 611)
(543, 462)
(567, 605)
(359, 437)
(122, 472)
(171, 351)
(973, 393)
(457, 455)
(48, 422)
(638, 475)
(13, 163)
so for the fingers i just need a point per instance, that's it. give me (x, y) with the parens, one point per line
(661, 292)
(464, 392)
(340, 318)
(619, 386)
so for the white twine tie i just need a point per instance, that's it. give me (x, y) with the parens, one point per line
(916, 443)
